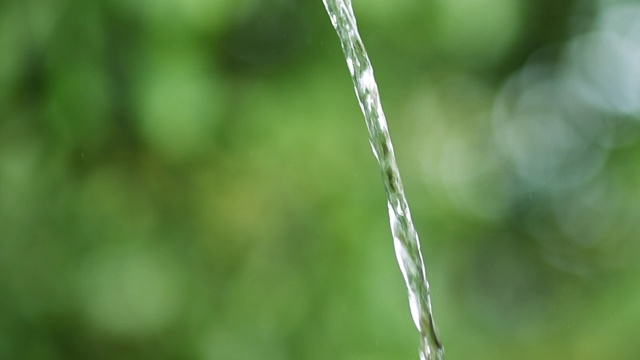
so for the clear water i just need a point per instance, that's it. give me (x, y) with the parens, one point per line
(405, 237)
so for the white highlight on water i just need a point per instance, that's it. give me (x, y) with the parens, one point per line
(405, 237)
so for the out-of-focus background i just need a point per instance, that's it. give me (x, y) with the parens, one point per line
(191, 179)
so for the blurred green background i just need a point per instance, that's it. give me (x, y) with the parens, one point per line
(191, 179)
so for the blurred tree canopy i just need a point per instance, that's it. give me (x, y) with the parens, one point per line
(191, 179)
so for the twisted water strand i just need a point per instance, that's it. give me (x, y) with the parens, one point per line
(405, 237)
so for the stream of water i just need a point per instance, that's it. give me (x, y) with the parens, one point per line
(405, 237)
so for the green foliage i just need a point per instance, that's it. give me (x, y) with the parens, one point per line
(192, 180)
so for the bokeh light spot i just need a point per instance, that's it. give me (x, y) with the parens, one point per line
(180, 104)
(131, 292)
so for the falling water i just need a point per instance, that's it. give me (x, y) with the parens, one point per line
(405, 237)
